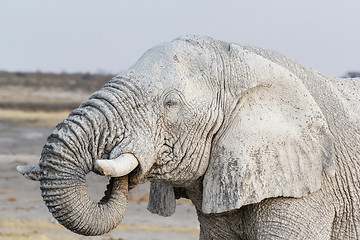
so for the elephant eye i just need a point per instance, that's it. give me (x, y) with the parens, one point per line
(172, 100)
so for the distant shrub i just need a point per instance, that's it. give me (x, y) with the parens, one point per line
(67, 81)
(86, 76)
(352, 75)
(20, 74)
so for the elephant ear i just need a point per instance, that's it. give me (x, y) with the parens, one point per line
(276, 141)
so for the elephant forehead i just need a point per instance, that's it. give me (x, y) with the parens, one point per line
(172, 58)
(174, 65)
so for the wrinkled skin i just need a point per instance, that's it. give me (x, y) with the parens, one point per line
(264, 147)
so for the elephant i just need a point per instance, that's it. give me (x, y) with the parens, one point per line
(264, 147)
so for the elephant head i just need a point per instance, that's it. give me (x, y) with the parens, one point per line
(194, 108)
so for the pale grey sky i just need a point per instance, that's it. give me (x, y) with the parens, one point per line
(89, 35)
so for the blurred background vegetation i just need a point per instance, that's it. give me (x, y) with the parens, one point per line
(44, 99)
(47, 91)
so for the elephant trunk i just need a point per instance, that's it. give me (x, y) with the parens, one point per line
(68, 201)
(89, 133)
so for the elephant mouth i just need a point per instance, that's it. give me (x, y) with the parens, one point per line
(113, 184)
(134, 179)
(110, 187)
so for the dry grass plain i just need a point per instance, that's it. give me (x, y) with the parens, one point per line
(33, 118)
(29, 110)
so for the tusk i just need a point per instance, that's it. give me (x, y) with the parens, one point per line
(117, 167)
(31, 172)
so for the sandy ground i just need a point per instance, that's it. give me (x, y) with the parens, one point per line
(23, 214)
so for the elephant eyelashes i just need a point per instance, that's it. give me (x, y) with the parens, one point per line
(173, 109)
(172, 100)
